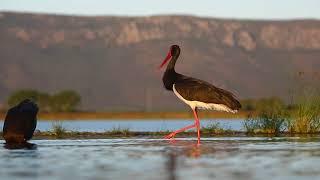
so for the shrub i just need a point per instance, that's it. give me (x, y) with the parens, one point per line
(272, 118)
(65, 101)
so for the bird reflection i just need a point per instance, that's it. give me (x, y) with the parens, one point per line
(26, 145)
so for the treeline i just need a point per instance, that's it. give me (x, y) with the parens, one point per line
(69, 100)
(63, 101)
(262, 103)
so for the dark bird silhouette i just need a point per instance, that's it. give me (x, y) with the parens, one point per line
(196, 93)
(20, 122)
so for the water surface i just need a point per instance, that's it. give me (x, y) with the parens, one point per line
(216, 158)
(136, 124)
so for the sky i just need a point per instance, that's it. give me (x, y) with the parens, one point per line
(243, 9)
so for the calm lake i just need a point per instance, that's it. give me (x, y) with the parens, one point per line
(257, 158)
(135, 125)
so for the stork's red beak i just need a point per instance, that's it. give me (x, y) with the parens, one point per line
(166, 59)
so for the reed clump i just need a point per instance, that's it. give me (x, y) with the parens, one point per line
(305, 117)
(274, 118)
(271, 118)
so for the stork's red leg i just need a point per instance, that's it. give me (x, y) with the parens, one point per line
(171, 135)
(197, 123)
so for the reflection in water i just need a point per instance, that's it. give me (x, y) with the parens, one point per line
(194, 151)
(20, 164)
(216, 158)
(26, 145)
(171, 165)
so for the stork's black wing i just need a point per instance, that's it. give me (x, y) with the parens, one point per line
(197, 90)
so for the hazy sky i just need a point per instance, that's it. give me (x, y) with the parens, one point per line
(257, 9)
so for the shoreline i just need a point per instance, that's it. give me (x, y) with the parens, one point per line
(134, 115)
(49, 135)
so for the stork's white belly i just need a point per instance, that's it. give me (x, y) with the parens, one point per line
(202, 105)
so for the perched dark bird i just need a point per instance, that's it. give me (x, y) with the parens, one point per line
(20, 122)
(196, 93)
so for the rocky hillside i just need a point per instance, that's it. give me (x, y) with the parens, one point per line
(112, 61)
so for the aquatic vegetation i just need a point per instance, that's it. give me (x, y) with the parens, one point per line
(215, 128)
(57, 129)
(120, 131)
(271, 119)
(305, 117)
(251, 124)
(275, 118)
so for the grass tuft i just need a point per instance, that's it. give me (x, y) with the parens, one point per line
(251, 124)
(215, 128)
(57, 129)
(120, 131)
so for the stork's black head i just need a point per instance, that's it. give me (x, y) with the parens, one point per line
(173, 52)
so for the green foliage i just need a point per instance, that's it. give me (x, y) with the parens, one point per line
(251, 124)
(259, 104)
(43, 101)
(215, 128)
(248, 104)
(272, 118)
(20, 95)
(306, 116)
(64, 101)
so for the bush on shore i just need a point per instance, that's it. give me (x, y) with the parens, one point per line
(274, 117)
(271, 119)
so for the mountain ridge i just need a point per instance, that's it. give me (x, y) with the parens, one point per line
(97, 56)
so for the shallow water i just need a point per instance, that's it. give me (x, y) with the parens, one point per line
(135, 125)
(216, 158)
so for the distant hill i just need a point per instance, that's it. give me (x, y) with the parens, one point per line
(112, 61)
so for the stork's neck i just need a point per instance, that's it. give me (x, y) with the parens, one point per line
(172, 63)
(170, 74)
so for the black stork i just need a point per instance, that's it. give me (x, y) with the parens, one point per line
(196, 93)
